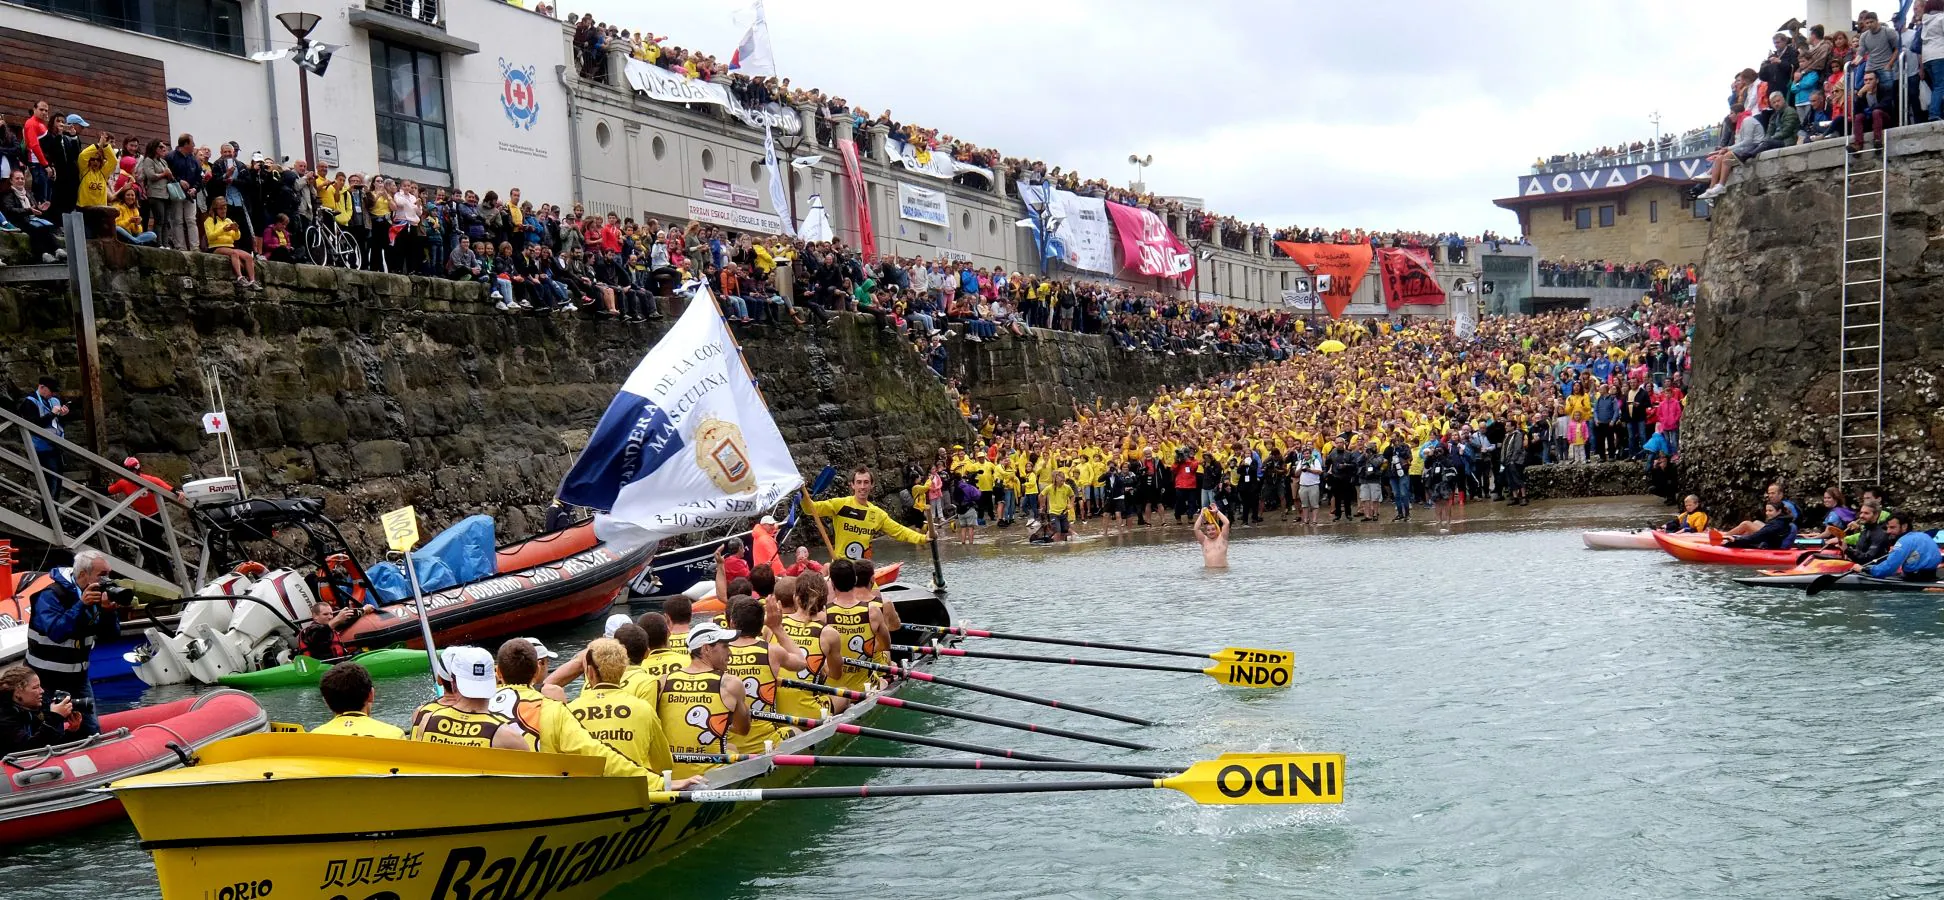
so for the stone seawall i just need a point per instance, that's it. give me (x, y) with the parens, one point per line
(1766, 337)
(1047, 373)
(373, 391)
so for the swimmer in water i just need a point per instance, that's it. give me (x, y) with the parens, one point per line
(1212, 530)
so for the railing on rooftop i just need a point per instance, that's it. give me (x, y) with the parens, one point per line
(427, 11)
(1695, 143)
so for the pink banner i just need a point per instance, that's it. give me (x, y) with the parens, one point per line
(853, 173)
(1148, 247)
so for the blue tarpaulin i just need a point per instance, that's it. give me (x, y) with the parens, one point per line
(460, 554)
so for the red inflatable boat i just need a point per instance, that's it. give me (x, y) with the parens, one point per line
(50, 791)
(1707, 548)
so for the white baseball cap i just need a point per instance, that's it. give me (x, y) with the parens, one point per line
(708, 633)
(472, 672)
(614, 623)
(540, 650)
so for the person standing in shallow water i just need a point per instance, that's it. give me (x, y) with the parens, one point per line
(1212, 530)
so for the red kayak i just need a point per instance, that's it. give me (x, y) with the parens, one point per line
(1707, 548)
(50, 791)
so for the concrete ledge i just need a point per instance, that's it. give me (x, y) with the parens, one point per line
(1595, 479)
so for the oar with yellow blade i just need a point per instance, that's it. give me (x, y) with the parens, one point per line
(921, 675)
(1272, 669)
(1252, 779)
(1225, 654)
(929, 709)
(901, 737)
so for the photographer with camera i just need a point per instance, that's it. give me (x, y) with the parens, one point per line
(31, 717)
(78, 605)
(318, 638)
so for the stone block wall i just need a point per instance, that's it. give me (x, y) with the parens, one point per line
(374, 391)
(1766, 340)
(1046, 373)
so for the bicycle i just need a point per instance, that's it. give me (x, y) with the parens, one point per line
(326, 243)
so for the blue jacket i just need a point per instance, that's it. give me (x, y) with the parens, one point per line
(1606, 410)
(1914, 552)
(59, 612)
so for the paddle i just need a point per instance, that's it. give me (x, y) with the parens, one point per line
(1005, 765)
(903, 738)
(1821, 583)
(1239, 673)
(1266, 779)
(996, 692)
(915, 706)
(1227, 654)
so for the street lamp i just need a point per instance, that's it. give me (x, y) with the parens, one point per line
(300, 25)
(790, 144)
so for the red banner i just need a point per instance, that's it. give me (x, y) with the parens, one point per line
(1407, 278)
(1346, 264)
(853, 173)
(1148, 247)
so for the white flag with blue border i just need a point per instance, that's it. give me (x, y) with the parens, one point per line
(687, 445)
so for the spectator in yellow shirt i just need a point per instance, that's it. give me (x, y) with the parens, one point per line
(221, 234)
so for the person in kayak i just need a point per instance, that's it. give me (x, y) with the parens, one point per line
(27, 720)
(854, 520)
(1775, 533)
(1773, 496)
(1692, 518)
(1839, 516)
(1913, 557)
(348, 693)
(1868, 538)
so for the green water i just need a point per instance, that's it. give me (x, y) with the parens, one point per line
(1523, 717)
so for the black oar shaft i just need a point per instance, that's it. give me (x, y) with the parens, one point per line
(903, 738)
(1065, 642)
(867, 791)
(1003, 765)
(1062, 660)
(718, 759)
(929, 709)
(998, 692)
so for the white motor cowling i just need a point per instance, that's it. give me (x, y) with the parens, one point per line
(166, 659)
(256, 629)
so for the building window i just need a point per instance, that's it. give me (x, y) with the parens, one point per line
(409, 89)
(708, 160)
(1583, 218)
(1653, 212)
(1606, 217)
(214, 24)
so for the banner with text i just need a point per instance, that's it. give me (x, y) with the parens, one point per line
(1147, 246)
(1408, 280)
(860, 200)
(734, 218)
(660, 84)
(1342, 265)
(923, 205)
(733, 194)
(1079, 228)
(938, 165)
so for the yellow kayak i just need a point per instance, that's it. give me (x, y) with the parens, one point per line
(277, 815)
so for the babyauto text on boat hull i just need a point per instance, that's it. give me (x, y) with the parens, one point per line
(431, 822)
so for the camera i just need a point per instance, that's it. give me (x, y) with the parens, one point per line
(58, 698)
(118, 593)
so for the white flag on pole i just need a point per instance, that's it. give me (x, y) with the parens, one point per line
(687, 444)
(754, 56)
(215, 423)
(816, 222)
(779, 194)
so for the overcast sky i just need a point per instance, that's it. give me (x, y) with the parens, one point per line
(1397, 115)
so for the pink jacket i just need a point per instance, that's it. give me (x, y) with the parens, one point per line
(1668, 413)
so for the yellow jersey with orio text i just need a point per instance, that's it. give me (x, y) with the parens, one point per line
(853, 524)
(853, 624)
(751, 665)
(808, 637)
(624, 722)
(438, 723)
(693, 718)
(644, 679)
(550, 727)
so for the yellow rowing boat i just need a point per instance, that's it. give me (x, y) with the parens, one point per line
(273, 816)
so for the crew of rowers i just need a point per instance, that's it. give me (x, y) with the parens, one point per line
(1882, 543)
(662, 698)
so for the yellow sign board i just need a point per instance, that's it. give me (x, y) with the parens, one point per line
(401, 528)
(1243, 667)
(1239, 779)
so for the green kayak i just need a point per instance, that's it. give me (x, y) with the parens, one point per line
(305, 671)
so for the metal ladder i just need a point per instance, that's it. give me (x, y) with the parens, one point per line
(1859, 385)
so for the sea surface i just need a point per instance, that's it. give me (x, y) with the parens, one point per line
(1523, 718)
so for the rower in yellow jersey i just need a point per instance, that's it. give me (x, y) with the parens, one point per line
(347, 691)
(760, 656)
(864, 574)
(699, 708)
(463, 717)
(625, 723)
(541, 723)
(857, 624)
(854, 520)
(663, 656)
(823, 647)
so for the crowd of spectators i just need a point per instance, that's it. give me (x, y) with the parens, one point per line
(1660, 278)
(1692, 142)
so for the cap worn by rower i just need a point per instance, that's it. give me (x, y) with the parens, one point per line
(540, 650)
(708, 633)
(614, 623)
(472, 672)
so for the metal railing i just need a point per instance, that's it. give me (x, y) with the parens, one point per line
(427, 11)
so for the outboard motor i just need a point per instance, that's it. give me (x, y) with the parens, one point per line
(255, 633)
(165, 659)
